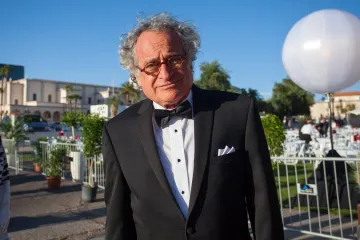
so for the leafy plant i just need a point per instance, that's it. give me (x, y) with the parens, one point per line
(275, 134)
(38, 149)
(72, 119)
(53, 165)
(15, 131)
(93, 126)
(114, 102)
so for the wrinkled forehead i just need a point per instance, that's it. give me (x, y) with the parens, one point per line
(153, 44)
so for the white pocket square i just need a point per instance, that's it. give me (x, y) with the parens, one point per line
(225, 151)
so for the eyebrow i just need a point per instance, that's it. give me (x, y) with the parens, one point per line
(171, 54)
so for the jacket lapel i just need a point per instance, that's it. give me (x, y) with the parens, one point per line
(203, 129)
(147, 137)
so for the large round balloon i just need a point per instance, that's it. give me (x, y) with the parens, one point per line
(321, 52)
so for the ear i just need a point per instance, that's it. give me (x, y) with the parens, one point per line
(135, 76)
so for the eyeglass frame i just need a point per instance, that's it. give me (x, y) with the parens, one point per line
(183, 58)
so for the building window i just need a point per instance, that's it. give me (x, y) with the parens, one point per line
(16, 102)
(49, 98)
(89, 100)
(98, 101)
(34, 97)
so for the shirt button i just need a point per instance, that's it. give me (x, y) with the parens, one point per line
(179, 160)
(176, 130)
(182, 192)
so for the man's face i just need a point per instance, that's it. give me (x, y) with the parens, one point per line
(171, 84)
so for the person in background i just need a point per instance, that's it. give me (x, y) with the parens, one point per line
(308, 132)
(4, 194)
(323, 127)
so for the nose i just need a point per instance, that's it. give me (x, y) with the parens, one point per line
(165, 72)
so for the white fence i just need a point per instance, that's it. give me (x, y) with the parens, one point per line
(16, 153)
(21, 156)
(318, 196)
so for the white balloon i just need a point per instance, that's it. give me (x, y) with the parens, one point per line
(321, 52)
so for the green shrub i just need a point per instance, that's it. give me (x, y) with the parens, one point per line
(275, 134)
(92, 134)
(38, 149)
(53, 165)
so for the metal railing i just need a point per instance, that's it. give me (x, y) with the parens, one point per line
(17, 154)
(78, 168)
(22, 155)
(45, 152)
(95, 169)
(319, 196)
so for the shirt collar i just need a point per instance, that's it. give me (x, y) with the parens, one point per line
(189, 98)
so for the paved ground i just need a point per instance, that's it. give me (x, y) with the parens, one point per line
(38, 213)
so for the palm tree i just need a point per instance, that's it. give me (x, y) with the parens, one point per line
(4, 72)
(68, 89)
(75, 98)
(129, 91)
(114, 102)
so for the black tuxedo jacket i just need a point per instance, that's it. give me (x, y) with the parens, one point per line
(140, 204)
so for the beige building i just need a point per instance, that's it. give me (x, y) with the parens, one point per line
(49, 98)
(343, 103)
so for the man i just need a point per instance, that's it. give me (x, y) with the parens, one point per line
(308, 131)
(323, 127)
(185, 163)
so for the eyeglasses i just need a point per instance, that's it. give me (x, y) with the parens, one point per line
(153, 68)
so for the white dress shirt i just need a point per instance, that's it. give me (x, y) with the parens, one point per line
(309, 129)
(176, 148)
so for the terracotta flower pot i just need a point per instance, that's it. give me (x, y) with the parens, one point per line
(37, 168)
(53, 182)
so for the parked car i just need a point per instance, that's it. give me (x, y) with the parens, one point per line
(34, 122)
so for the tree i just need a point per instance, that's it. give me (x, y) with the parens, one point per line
(253, 93)
(15, 131)
(263, 105)
(72, 119)
(288, 99)
(4, 73)
(214, 76)
(68, 89)
(114, 102)
(75, 98)
(129, 91)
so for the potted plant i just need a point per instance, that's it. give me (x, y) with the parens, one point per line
(53, 166)
(38, 152)
(92, 134)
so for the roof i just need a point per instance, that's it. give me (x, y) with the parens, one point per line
(69, 83)
(346, 94)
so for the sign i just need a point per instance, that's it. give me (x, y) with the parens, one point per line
(102, 109)
(307, 189)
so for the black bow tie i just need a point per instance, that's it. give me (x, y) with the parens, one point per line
(162, 117)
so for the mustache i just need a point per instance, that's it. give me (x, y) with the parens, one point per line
(169, 83)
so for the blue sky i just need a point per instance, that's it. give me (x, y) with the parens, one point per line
(77, 40)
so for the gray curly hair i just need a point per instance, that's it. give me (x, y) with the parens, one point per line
(160, 22)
